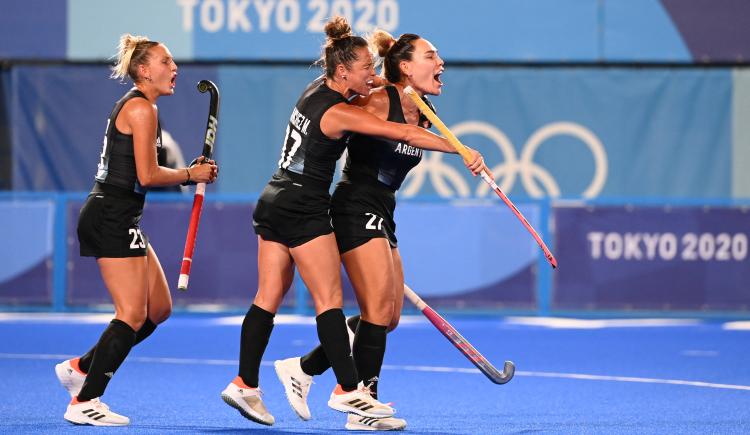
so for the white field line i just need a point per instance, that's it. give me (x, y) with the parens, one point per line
(570, 323)
(413, 368)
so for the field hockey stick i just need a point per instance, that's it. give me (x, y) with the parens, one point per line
(466, 154)
(461, 343)
(200, 188)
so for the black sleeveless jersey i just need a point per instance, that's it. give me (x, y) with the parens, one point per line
(378, 159)
(306, 150)
(117, 161)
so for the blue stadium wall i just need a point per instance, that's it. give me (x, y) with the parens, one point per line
(634, 175)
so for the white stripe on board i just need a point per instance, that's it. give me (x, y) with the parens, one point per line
(737, 326)
(295, 319)
(104, 318)
(227, 362)
(57, 317)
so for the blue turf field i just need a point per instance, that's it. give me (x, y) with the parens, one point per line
(582, 377)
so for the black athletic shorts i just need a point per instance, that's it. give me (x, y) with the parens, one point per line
(362, 211)
(293, 209)
(109, 223)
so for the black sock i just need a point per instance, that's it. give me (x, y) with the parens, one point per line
(369, 349)
(84, 363)
(256, 330)
(316, 362)
(335, 341)
(111, 350)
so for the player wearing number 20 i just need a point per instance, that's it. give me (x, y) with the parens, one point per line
(109, 227)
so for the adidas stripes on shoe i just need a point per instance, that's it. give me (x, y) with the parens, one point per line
(357, 422)
(359, 402)
(296, 385)
(247, 401)
(95, 413)
(70, 377)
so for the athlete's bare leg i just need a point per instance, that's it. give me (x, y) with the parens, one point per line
(398, 279)
(127, 282)
(319, 266)
(275, 274)
(371, 270)
(159, 298)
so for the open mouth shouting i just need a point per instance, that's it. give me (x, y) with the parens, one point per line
(436, 77)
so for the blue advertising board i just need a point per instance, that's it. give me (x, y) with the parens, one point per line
(652, 258)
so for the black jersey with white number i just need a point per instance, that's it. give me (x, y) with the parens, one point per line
(372, 158)
(117, 161)
(306, 150)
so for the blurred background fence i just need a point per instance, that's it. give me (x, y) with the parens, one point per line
(620, 128)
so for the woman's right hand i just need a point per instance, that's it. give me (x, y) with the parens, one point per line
(203, 170)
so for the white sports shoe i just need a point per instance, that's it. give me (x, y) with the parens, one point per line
(95, 413)
(359, 402)
(357, 422)
(70, 378)
(296, 385)
(248, 402)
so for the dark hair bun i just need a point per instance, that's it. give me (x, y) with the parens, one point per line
(338, 28)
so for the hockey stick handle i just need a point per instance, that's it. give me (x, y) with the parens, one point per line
(547, 253)
(461, 343)
(195, 218)
(466, 155)
(200, 189)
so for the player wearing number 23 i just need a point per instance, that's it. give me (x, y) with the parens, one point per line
(109, 227)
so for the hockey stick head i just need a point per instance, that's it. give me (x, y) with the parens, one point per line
(206, 85)
(509, 369)
(213, 116)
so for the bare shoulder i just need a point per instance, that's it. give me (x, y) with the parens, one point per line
(376, 103)
(139, 108)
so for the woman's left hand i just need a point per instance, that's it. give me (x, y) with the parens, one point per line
(477, 165)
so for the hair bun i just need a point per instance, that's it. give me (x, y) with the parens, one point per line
(382, 41)
(338, 28)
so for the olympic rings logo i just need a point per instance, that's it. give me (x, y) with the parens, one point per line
(536, 180)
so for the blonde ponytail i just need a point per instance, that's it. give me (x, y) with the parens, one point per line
(131, 52)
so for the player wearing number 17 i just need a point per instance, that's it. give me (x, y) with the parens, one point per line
(293, 223)
(109, 227)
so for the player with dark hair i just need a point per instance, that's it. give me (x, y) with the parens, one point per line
(294, 226)
(362, 209)
(109, 227)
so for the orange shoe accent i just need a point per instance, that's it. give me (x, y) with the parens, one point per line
(76, 367)
(240, 383)
(338, 390)
(75, 401)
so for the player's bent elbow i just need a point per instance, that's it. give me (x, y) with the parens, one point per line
(146, 181)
